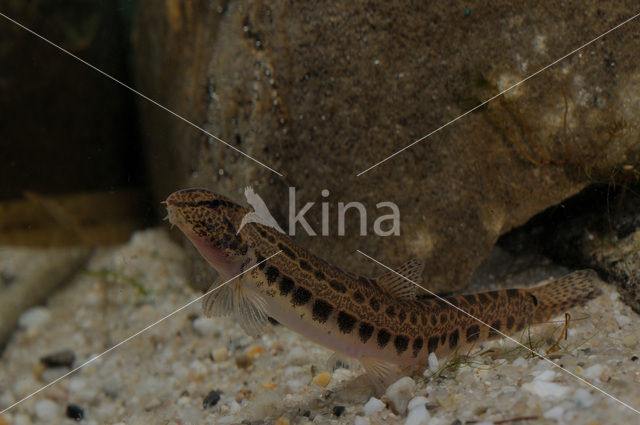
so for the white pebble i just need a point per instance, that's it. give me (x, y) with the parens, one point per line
(373, 406)
(76, 384)
(519, 362)
(34, 318)
(297, 356)
(205, 327)
(594, 372)
(295, 385)
(47, 411)
(21, 419)
(234, 407)
(545, 389)
(417, 401)
(546, 376)
(398, 394)
(554, 413)
(433, 363)
(220, 354)
(622, 320)
(361, 420)
(418, 416)
(582, 398)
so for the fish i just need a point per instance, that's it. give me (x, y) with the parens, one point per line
(379, 322)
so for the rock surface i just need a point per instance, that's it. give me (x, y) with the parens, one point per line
(320, 92)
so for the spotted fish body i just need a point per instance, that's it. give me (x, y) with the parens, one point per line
(379, 322)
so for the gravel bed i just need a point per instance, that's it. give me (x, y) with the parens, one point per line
(191, 370)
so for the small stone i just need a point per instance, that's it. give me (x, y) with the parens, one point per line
(205, 327)
(47, 411)
(270, 385)
(34, 318)
(243, 361)
(255, 352)
(21, 419)
(75, 412)
(629, 340)
(322, 379)
(546, 376)
(582, 398)
(220, 354)
(434, 365)
(362, 420)
(594, 372)
(398, 394)
(519, 362)
(295, 385)
(545, 389)
(234, 407)
(622, 320)
(51, 373)
(337, 411)
(211, 399)
(554, 413)
(373, 406)
(418, 416)
(64, 358)
(417, 401)
(282, 421)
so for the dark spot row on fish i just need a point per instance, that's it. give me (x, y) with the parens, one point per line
(347, 323)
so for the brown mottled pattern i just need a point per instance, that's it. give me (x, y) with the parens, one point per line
(348, 304)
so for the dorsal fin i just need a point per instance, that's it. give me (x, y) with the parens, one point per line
(399, 286)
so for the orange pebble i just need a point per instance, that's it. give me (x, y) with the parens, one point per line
(255, 352)
(270, 385)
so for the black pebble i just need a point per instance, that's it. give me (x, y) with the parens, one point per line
(75, 412)
(61, 358)
(634, 358)
(337, 410)
(211, 399)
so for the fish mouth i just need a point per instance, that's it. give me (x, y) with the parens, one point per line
(174, 216)
(174, 213)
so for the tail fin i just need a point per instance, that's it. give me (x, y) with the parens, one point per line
(556, 297)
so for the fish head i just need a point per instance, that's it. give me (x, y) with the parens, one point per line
(210, 221)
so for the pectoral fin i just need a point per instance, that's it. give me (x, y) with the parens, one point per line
(380, 373)
(234, 299)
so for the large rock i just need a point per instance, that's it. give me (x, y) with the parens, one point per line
(321, 91)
